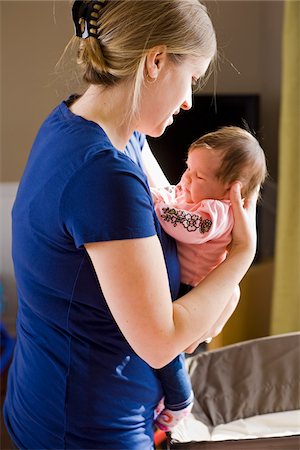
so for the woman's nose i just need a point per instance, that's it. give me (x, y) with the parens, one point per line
(188, 102)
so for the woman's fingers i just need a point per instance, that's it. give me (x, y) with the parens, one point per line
(251, 201)
(236, 296)
(244, 211)
(236, 197)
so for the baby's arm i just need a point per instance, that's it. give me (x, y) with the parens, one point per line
(164, 194)
(211, 220)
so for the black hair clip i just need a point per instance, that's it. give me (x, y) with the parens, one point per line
(86, 13)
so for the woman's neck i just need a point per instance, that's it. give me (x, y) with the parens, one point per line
(107, 107)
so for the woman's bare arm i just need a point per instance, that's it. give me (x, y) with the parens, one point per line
(133, 277)
(156, 176)
(222, 320)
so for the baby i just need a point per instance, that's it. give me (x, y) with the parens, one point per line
(197, 213)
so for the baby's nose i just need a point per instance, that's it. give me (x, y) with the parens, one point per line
(187, 177)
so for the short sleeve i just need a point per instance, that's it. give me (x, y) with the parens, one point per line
(210, 220)
(107, 199)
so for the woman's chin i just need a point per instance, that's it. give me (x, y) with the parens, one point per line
(157, 132)
(160, 129)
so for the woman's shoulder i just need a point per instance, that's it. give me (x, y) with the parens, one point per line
(79, 143)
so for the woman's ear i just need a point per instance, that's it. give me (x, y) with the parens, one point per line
(155, 61)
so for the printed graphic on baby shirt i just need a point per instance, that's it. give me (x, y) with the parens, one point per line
(191, 222)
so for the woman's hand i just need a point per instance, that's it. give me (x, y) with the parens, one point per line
(193, 347)
(244, 231)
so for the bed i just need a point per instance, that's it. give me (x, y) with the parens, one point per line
(247, 396)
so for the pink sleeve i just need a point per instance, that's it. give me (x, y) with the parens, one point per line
(211, 220)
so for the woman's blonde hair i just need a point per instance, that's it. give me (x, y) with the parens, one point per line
(128, 29)
(242, 158)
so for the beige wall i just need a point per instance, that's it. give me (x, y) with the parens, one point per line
(249, 36)
(34, 34)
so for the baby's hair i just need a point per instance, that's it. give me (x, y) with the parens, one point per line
(242, 158)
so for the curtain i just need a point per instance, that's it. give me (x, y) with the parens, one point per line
(285, 315)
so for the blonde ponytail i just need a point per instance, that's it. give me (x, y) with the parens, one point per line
(128, 29)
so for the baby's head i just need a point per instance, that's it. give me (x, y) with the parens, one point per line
(218, 159)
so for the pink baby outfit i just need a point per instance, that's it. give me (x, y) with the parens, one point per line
(202, 230)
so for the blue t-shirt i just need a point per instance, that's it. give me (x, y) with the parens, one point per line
(75, 382)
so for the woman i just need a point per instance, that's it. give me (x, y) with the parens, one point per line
(95, 273)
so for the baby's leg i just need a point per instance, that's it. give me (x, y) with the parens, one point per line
(178, 394)
(167, 419)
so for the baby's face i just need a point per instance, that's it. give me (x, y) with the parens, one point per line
(199, 181)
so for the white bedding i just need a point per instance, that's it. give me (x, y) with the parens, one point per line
(267, 425)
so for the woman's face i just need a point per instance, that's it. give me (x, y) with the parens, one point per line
(170, 92)
(199, 181)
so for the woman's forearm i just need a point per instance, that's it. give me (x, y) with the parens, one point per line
(138, 295)
(134, 280)
(220, 322)
(195, 313)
